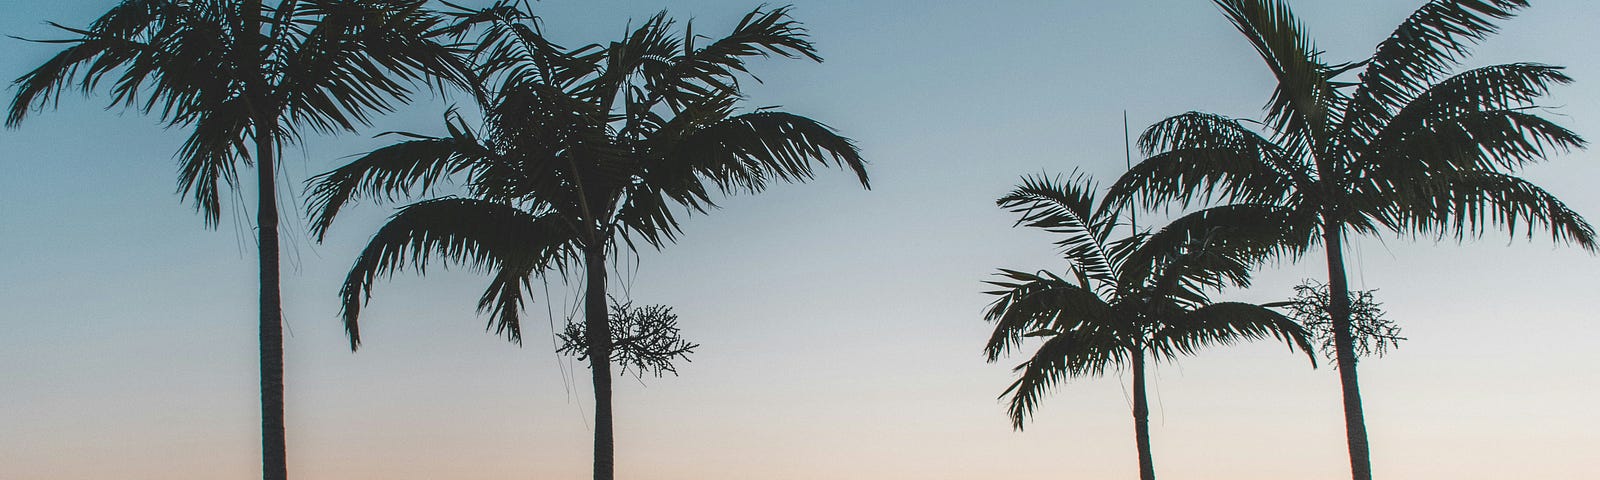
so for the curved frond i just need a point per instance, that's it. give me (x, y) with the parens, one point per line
(1303, 106)
(1495, 140)
(1030, 303)
(359, 58)
(1182, 275)
(1426, 45)
(511, 43)
(1250, 232)
(557, 149)
(171, 57)
(159, 56)
(483, 235)
(703, 148)
(389, 173)
(712, 70)
(1198, 157)
(1084, 352)
(1468, 203)
(1226, 323)
(747, 152)
(648, 49)
(1068, 208)
(1496, 87)
(207, 161)
(1477, 119)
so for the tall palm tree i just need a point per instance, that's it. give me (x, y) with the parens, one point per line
(1402, 147)
(1125, 301)
(582, 152)
(242, 75)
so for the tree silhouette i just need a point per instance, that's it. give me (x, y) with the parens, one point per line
(582, 152)
(1402, 147)
(645, 339)
(1125, 300)
(1373, 333)
(248, 75)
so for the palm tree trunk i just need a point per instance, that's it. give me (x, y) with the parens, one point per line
(1355, 424)
(1141, 419)
(251, 53)
(599, 339)
(274, 456)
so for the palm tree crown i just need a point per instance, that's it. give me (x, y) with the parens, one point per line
(1402, 147)
(222, 67)
(582, 152)
(242, 75)
(1124, 299)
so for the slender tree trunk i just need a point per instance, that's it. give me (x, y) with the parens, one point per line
(1355, 424)
(274, 456)
(252, 54)
(599, 339)
(1141, 420)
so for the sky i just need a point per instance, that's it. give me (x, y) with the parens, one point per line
(840, 329)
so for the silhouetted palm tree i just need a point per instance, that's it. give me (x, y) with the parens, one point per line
(1125, 300)
(1402, 148)
(247, 74)
(582, 152)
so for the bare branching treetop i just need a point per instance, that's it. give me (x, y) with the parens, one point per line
(1374, 333)
(644, 338)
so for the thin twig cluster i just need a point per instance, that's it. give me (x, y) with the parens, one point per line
(1374, 334)
(645, 339)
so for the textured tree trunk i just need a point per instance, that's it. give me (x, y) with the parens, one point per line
(599, 339)
(1141, 420)
(251, 53)
(274, 456)
(1355, 424)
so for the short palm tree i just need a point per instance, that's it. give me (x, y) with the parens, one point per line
(1125, 300)
(249, 75)
(1402, 147)
(582, 152)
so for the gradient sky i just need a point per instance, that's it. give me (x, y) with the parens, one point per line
(840, 329)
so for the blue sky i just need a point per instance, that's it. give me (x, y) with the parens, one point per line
(840, 328)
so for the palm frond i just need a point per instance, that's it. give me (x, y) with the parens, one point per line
(1185, 274)
(1227, 323)
(1251, 233)
(1495, 87)
(746, 152)
(1304, 103)
(1028, 303)
(1061, 356)
(1198, 157)
(511, 44)
(1481, 118)
(648, 49)
(482, 235)
(174, 58)
(207, 161)
(713, 70)
(703, 147)
(404, 169)
(1495, 140)
(1068, 208)
(1466, 204)
(1425, 46)
(359, 58)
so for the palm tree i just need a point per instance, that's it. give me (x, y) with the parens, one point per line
(1125, 301)
(582, 152)
(245, 74)
(1402, 147)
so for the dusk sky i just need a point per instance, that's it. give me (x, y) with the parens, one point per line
(840, 329)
